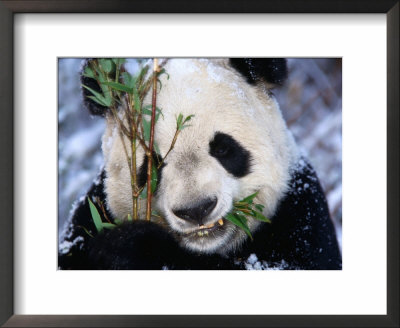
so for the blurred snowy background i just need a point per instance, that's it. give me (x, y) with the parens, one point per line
(311, 102)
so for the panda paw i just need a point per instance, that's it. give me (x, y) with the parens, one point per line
(137, 245)
(144, 245)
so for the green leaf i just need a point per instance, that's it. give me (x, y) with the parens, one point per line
(259, 216)
(241, 204)
(119, 87)
(100, 74)
(136, 98)
(154, 177)
(106, 65)
(99, 97)
(146, 129)
(86, 230)
(119, 61)
(108, 225)
(184, 127)
(179, 121)
(128, 79)
(188, 118)
(156, 148)
(249, 199)
(238, 221)
(95, 216)
(101, 102)
(163, 71)
(118, 221)
(259, 207)
(88, 72)
(147, 110)
(160, 84)
(95, 93)
(139, 78)
(143, 194)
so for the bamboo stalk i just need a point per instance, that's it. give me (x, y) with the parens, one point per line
(170, 148)
(151, 143)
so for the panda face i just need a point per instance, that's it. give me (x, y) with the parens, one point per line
(236, 144)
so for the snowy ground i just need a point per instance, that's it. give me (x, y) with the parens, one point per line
(311, 102)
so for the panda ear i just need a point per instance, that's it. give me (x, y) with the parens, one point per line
(88, 82)
(273, 71)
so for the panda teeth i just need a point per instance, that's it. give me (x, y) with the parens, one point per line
(221, 222)
(202, 233)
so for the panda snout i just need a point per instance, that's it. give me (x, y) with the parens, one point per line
(198, 212)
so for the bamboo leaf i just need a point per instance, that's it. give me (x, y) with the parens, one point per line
(101, 102)
(184, 127)
(163, 71)
(95, 93)
(143, 194)
(239, 222)
(156, 148)
(88, 72)
(106, 65)
(249, 199)
(118, 221)
(158, 81)
(259, 207)
(146, 129)
(188, 118)
(119, 87)
(98, 97)
(108, 225)
(154, 178)
(259, 216)
(143, 71)
(95, 216)
(136, 98)
(179, 121)
(119, 61)
(86, 231)
(128, 79)
(147, 111)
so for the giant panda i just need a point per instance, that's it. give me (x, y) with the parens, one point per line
(237, 144)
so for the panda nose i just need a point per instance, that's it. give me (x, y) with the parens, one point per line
(198, 212)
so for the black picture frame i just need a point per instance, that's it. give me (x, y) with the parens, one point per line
(10, 7)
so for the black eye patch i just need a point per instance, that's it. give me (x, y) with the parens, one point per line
(232, 156)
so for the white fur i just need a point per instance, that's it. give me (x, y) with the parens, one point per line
(221, 101)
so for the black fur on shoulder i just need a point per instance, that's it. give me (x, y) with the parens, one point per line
(270, 70)
(301, 234)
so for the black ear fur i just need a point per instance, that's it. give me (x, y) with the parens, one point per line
(93, 107)
(270, 70)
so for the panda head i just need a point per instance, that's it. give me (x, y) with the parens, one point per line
(235, 145)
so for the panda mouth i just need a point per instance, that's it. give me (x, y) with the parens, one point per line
(208, 230)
